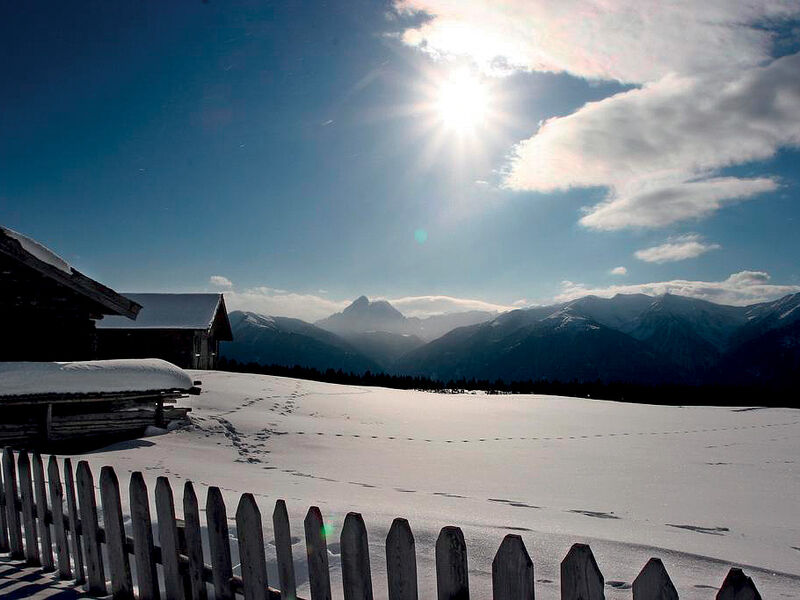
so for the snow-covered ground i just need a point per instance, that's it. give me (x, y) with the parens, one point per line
(702, 488)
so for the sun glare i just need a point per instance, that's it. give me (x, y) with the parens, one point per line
(462, 101)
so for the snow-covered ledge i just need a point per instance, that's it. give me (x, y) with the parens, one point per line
(91, 377)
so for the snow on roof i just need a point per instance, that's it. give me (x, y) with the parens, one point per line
(91, 376)
(168, 311)
(39, 251)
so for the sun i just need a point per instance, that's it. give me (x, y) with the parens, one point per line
(462, 101)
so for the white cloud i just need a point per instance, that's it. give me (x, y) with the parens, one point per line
(679, 248)
(312, 307)
(282, 303)
(709, 97)
(220, 281)
(425, 306)
(621, 271)
(742, 288)
(626, 40)
(658, 148)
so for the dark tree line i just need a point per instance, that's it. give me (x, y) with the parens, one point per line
(666, 394)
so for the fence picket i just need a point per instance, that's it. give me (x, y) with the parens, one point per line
(581, 578)
(168, 538)
(3, 521)
(319, 578)
(653, 583)
(217, 523)
(28, 509)
(40, 496)
(356, 576)
(12, 512)
(119, 564)
(738, 586)
(74, 519)
(194, 542)
(57, 509)
(143, 550)
(512, 571)
(401, 562)
(452, 580)
(251, 549)
(283, 551)
(90, 530)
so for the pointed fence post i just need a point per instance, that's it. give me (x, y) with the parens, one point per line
(251, 549)
(90, 530)
(57, 503)
(143, 550)
(3, 519)
(319, 577)
(401, 562)
(653, 583)
(74, 522)
(40, 495)
(283, 551)
(28, 510)
(194, 542)
(12, 512)
(219, 544)
(738, 586)
(356, 576)
(119, 564)
(581, 578)
(452, 581)
(168, 537)
(512, 571)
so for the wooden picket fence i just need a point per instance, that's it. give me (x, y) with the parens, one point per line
(33, 522)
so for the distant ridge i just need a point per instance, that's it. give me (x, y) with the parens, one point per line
(632, 338)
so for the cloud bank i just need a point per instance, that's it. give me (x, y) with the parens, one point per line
(312, 307)
(709, 96)
(679, 248)
(740, 289)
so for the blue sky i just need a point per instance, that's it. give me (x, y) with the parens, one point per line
(292, 151)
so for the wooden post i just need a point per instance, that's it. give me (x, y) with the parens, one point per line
(653, 583)
(356, 576)
(48, 422)
(512, 571)
(319, 577)
(143, 551)
(452, 581)
(40, 495)
(283, 551)
(57, 503)
(738, 586)
(12, 512)
(74, 520)
(217, 523)
(28, 510)
(401, 562)
(3, 520)
(90, 530)
(168, 536)
(251, 549)
(581, 578)
(194, 542)
(119, 565)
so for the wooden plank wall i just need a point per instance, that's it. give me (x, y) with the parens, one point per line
(28, 512)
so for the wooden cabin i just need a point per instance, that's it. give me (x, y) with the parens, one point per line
(47, 308)
(184, 329)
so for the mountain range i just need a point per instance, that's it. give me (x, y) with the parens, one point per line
(631, 338)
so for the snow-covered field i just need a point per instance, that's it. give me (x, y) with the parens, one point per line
(702, 488)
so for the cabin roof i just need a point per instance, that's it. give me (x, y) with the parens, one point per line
(174, 311)
(30, 253)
